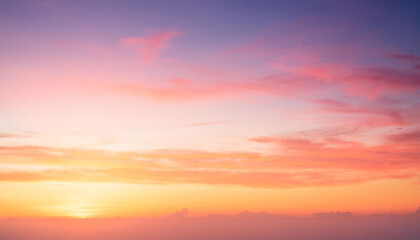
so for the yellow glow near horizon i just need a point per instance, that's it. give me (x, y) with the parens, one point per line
(143, 108)
(98, 200)
(76, 209)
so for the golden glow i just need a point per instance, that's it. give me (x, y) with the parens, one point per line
(137, 109)
(76, 209)
(84, 200)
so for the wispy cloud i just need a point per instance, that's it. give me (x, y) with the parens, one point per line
(303, 163)
(406, 137)
(407, 57)
(198, 124)
(148, 47)
(11, 135)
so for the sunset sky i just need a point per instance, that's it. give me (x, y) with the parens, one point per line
(143, 108)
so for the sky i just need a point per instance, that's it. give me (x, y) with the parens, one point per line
(139, 109)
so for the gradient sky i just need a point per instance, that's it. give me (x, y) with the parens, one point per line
(142, 108)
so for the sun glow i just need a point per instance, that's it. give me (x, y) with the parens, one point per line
(76, 209)
(137, 109)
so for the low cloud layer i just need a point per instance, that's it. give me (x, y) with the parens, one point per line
(300, 163)
(243, 226)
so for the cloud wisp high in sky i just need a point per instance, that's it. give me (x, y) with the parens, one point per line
(148, 47)
(242, 112)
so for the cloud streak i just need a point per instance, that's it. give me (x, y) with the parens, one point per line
(148, 47)
(303, 163)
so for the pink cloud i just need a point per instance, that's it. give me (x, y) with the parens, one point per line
(358, 81)
(356, 69)
(377, 81)
(199, 124)
(297, 74)
(11, 135)
(406, 57)
(336, 153)
(148, 47)
(406, 137)
(384, 113)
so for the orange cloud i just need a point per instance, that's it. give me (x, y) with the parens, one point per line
(301, 163)
(179, 89)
